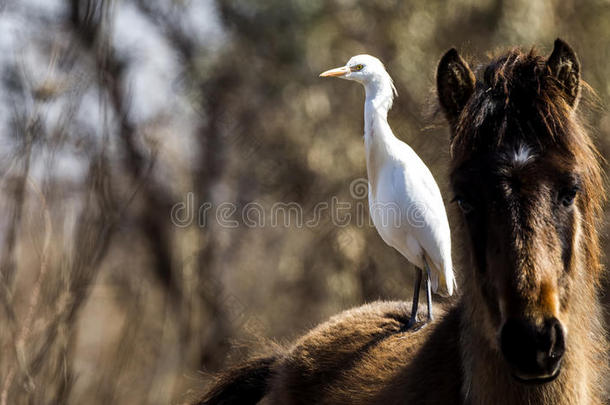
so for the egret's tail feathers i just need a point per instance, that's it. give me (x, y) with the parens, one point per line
(442, 280)
(446, 285)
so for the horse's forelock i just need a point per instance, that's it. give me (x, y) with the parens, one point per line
(515, 96)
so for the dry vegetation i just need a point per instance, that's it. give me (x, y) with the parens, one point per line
(113, 112)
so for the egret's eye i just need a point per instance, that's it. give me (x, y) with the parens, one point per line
(357, 67)
(464, 205)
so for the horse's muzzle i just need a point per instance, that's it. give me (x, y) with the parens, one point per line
(534, 352)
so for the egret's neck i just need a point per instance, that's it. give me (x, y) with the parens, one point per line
(378, 137)
(379, 98)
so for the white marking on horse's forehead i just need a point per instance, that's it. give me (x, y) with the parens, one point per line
(522, 156)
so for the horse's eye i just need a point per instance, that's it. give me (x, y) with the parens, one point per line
(568, 196)
(464, 205)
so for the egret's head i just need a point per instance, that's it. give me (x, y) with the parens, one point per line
(364, 69)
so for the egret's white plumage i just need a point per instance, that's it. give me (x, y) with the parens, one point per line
(398, 178)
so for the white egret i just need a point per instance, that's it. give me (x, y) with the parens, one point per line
(400, 183)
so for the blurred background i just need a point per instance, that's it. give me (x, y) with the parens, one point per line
(165, 168)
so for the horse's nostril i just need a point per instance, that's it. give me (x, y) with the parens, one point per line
(533, 351)
(556, 341)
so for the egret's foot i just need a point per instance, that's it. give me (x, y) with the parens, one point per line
(419, 326)
(427, 322)
(411, 324)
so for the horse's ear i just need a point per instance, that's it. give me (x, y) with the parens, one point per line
(454, 84)
(565, 68)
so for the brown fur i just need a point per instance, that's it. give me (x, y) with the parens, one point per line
(525, 257)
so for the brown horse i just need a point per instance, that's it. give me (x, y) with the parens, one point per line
(528, 326)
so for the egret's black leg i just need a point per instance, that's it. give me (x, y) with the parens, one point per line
(416, 286)
(428, 291)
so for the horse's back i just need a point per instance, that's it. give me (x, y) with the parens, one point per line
(366, 356)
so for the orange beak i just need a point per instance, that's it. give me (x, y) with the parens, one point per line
(337, 72)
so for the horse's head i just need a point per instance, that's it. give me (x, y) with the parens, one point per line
(526, 178)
